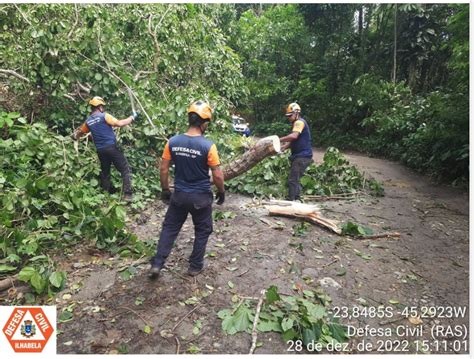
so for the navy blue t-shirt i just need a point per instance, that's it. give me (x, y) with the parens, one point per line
(102, 132)
(301, 147)
(192, 156)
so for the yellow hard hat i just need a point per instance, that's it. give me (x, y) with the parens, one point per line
(293, 107)
(202, 109)
(96, 101)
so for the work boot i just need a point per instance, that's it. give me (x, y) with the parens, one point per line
(154, 273)
(194, 272)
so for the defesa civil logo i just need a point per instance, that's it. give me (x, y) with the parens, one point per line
(28, 329)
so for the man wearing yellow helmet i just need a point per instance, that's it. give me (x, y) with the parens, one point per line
(100, 124)
(193, 155)
(299, 140)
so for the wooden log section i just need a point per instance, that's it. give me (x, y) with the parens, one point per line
(311, 213)
(267, 146)
(301, 210)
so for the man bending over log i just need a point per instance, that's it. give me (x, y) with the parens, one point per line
(299, 140)
(193, 155)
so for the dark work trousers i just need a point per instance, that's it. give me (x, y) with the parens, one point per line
(182, 203)
(298, 166)
(107, 156)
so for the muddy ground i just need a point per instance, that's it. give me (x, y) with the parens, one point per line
(427, 266)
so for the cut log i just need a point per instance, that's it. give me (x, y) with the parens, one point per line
(305, 211)
(264, 147)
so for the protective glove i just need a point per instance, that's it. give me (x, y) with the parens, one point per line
(135, 115)
(220, 196)
(165, 195)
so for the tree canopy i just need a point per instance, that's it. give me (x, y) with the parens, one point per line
(383, 78)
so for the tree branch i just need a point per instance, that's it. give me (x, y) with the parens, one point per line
(187, 315)
(122, 82)
(69, 96)
(23, 15)
(255, 321)
(73, 27)
(13, 73)
(154, 37)
(83, 87)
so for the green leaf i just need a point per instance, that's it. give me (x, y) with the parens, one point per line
(289, 335)
(147, 329)
(272, 294)
(14, 115)
(38, 282)
(197, 327)
(120, 211)
(26, 274)
(193, 349)
(13, 258)
(98, 76)
(223, 313)
(57, 279)
(309, 335)
(341, 272)
(125, 275)
(269, 326)
(230, 284)
(65, 317)
(139, 300)
(238, 322)
(338, 332)
(286, 324)
(192, 300)
(6, 268)
(42, 183)
(315, 311)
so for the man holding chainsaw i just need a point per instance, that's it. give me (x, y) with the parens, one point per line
(193, 155)
(100, 125)
(299, 140)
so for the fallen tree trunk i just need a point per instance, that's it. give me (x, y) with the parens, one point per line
(264, 147)
(305, 211)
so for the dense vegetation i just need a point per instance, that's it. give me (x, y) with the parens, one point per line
(247, 58)
(388, 79)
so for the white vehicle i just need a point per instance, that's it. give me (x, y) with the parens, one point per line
(240, 125)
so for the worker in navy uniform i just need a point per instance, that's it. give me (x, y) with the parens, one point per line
(299, 141)
(100, 124)
(193, 155)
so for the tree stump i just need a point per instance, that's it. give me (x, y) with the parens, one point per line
(267, 146)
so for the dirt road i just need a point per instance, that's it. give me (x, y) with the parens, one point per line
(427, 266)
